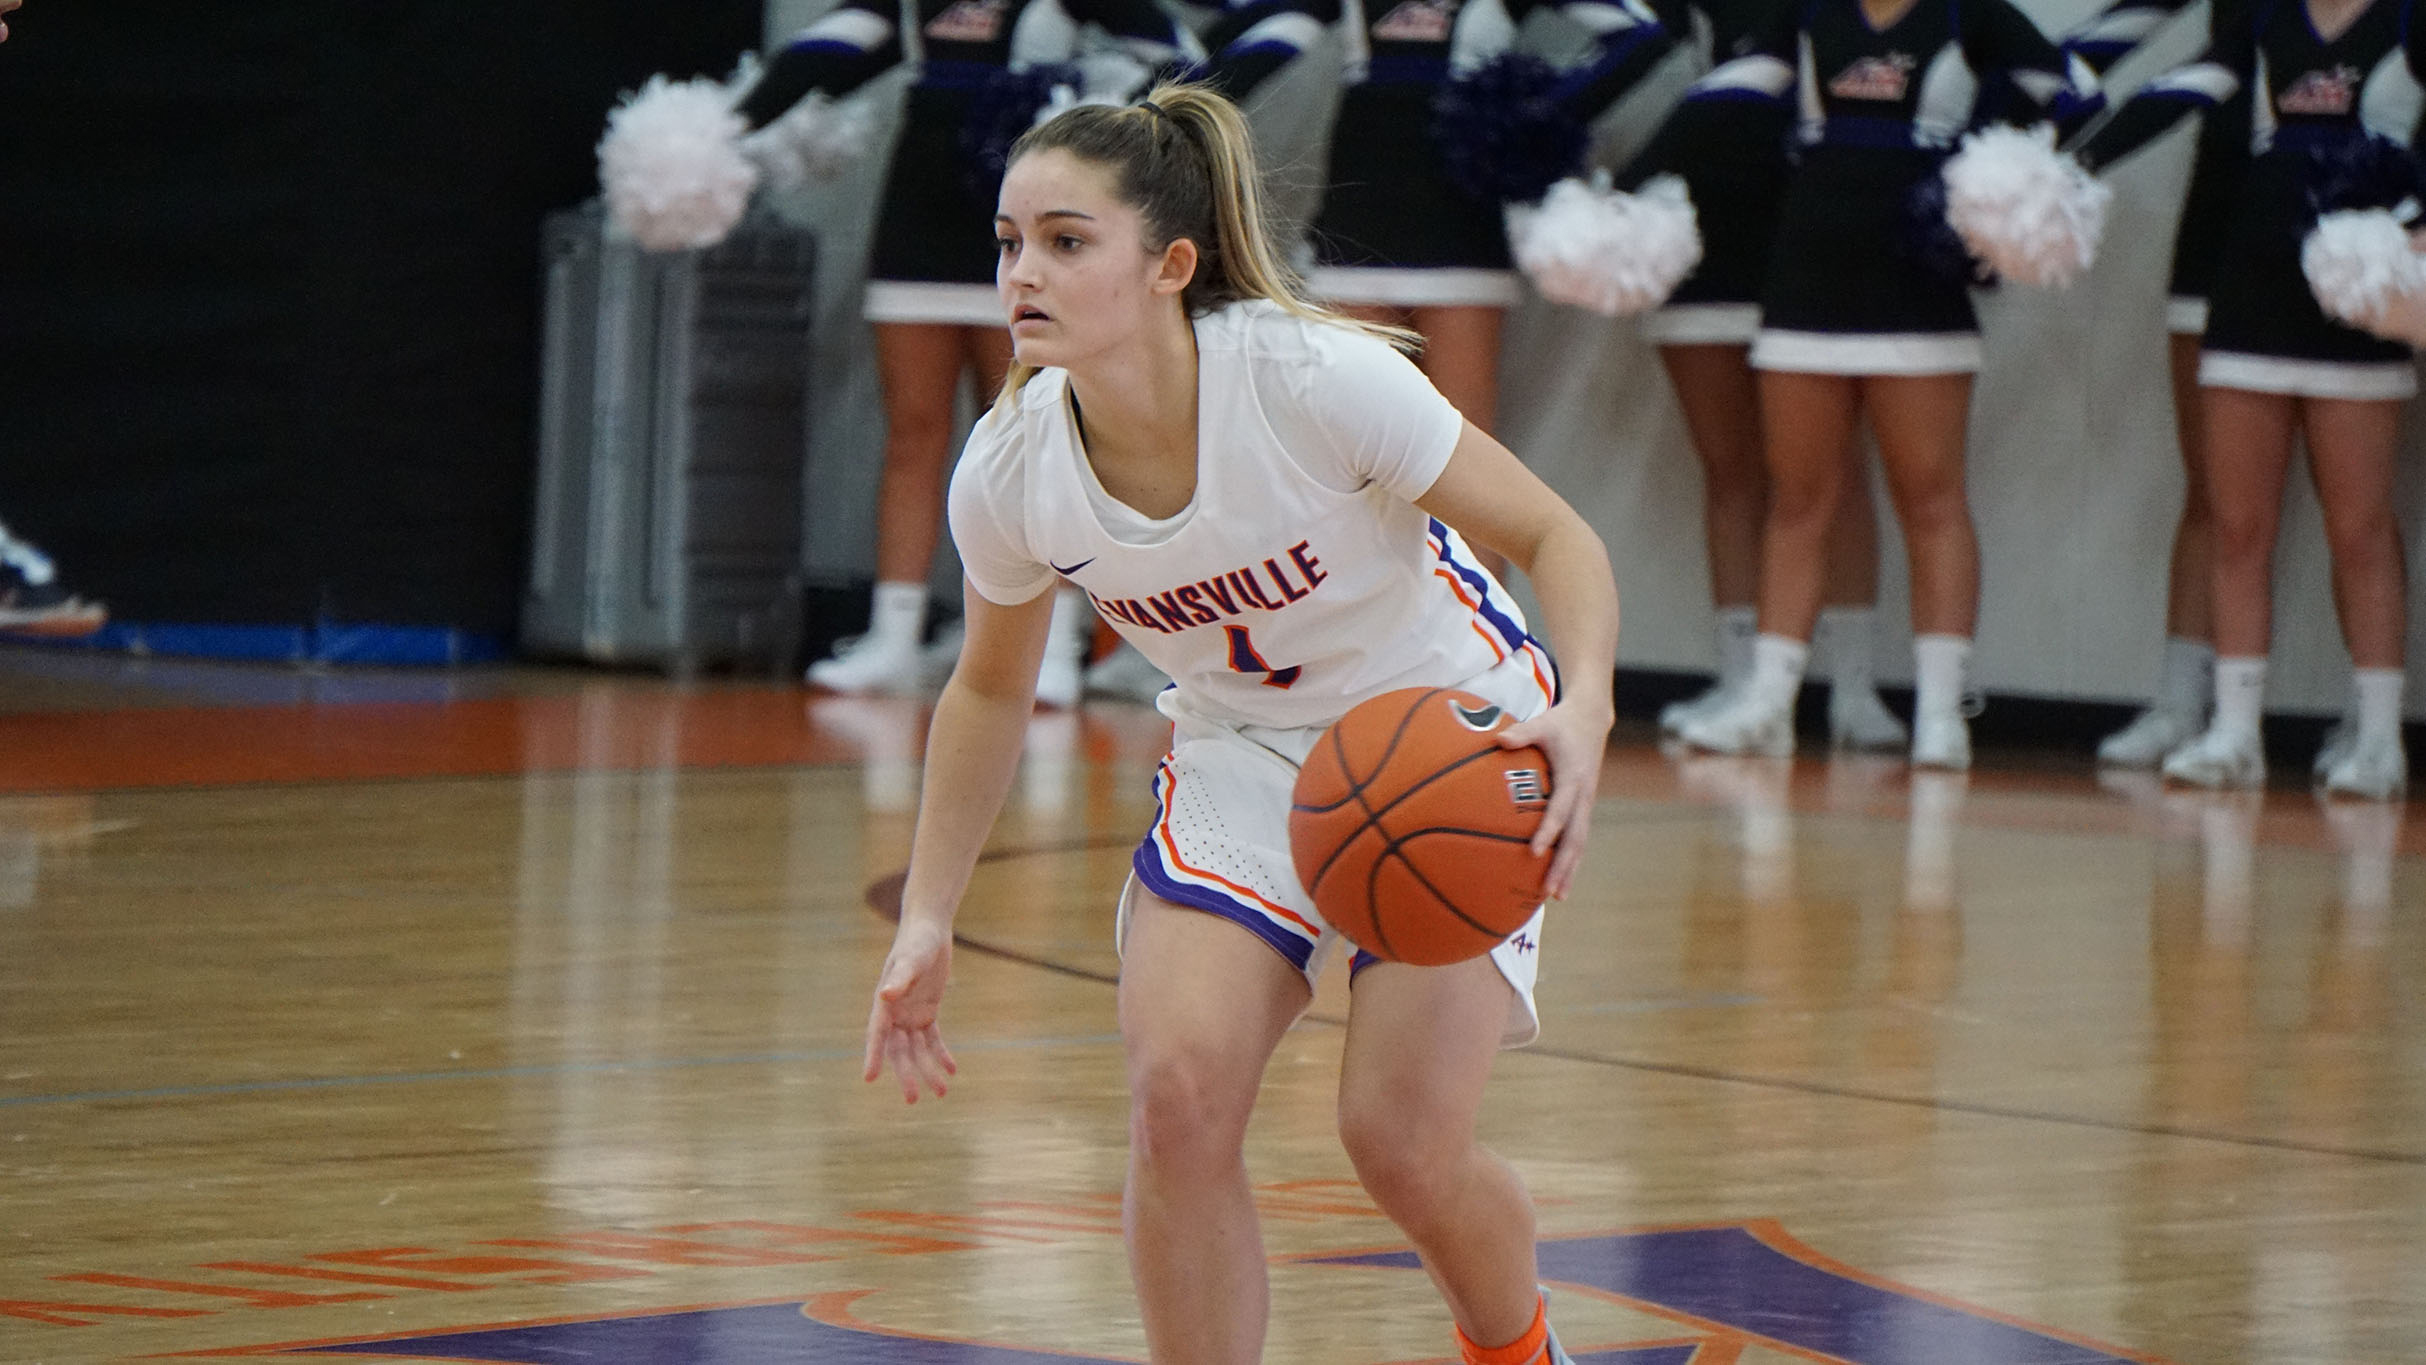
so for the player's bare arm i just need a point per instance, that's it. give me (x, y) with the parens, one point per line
(972, 755)
(1488, 494)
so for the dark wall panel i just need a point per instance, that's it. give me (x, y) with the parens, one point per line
(268, 289)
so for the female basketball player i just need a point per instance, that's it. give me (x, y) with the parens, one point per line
(1732, 156)
(2320, 80)
(930, 292)
(1855, 317)
(1257, 494)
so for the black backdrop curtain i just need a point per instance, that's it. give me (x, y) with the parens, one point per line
(269, 289)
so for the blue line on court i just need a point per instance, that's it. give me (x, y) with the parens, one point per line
(494, 1073)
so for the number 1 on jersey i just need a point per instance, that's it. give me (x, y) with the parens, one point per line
(1244, 659)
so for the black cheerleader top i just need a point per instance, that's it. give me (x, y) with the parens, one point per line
(1427, 42)
(960, 42)
(2303, 92)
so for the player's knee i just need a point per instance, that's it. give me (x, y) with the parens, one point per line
(1182, 1113)
(1404, 1162)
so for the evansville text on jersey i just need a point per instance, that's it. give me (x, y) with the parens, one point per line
(1268, 586)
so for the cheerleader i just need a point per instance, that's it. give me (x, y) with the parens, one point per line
(1866, 307)
(1732, 157)
(1401, 238)
(2185, 678)
(930, 290)
(2326, 87)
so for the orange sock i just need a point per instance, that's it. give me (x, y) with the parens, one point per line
(1530, 1349)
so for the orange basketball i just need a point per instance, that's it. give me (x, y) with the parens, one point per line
(1411, 828)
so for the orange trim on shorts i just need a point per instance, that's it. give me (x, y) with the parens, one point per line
(1499, 651)
(1170, 846)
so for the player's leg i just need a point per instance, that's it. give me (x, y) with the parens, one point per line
(1921, 421)
(1421, 1041)
(2248, 453)
(1202, 1004)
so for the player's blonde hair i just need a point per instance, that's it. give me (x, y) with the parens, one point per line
(1184, 158)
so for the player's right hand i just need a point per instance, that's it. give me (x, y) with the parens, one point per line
(902, 1032)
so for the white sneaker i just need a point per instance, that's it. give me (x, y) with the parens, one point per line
(2336, 747)
(1675, 715)
(865, 664)
(2374, 772)
(1741, 726)
(1942, 742)
(2150, 736)
(1125, 673)
(2218, 759)
(1857, 719)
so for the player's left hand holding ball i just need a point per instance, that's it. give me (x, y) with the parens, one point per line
(902, 1030)
(1575, 734)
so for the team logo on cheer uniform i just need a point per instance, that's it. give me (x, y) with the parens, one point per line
(969, 21)
(1418, 21)
(2331, 93)
(1875, 78)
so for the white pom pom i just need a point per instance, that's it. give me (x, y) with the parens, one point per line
(671, 165)
(2363, 270)
(1593, 247)
(2031, 212)
(815, 140)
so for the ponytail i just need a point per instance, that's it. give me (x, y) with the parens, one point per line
(1184, 158)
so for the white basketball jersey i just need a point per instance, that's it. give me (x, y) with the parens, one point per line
(1301, 579)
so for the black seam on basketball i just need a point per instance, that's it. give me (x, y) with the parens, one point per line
(1381, 936)
(1426, 882)
(1357, 785)
(1373, 817)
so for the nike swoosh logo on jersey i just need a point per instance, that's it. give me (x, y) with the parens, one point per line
(1073, 568)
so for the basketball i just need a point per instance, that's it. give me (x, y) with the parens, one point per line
(1411, 828)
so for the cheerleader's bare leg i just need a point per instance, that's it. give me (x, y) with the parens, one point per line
(2352, 447)
(1921, 421)
(1203, 1003)
(1720, 401)
(1461, 358)
(1807, 423)
(2186, 678)
(918, 369)
(2248, 442)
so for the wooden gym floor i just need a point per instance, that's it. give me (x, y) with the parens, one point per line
(515, 1016)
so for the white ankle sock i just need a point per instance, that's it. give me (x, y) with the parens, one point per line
(1736, 628)
(1777, 671)
(2240, 695)
(897, 614)
(2375, 695)
(2185, 682)
(1940, 664)
(1848, 632)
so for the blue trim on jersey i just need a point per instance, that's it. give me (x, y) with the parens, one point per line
(1509, 633)
(1147, 863)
